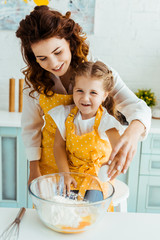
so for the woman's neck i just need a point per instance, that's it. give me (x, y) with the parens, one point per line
(66, 78)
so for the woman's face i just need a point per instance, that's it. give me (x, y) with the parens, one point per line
(53, 55)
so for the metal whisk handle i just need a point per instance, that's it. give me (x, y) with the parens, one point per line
(20, 215)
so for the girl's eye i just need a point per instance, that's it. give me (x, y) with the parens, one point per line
(93, 93)
(79, 90)
(57, 53)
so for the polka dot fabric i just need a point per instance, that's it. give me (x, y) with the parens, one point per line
(47, 162)
(86, 153)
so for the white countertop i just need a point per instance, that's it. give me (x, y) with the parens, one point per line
(10, 119)
(155, 126)
(114, 226)
(13, 119)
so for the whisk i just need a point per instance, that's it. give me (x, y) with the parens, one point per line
(12, 231)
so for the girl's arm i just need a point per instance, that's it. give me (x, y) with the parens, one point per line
(61, 160)
(60, 152)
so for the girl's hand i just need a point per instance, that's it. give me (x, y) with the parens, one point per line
(124, 151)
(68, 180)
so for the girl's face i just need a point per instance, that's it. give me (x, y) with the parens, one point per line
(88, 95)
(53, 55)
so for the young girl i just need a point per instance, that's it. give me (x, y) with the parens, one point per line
(53, 45)
(86, 132)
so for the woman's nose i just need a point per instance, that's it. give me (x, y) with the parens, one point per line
(53, 62)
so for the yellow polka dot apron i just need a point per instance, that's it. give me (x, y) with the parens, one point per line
(47, 162)
(86, 153)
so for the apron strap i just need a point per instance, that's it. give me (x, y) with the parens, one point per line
(98, 117)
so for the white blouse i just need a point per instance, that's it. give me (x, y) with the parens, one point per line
(60, 113)
(32, 115)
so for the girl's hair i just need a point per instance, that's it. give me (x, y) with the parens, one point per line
(44, 23)
(99, 71)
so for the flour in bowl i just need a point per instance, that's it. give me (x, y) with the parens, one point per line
(66, 215)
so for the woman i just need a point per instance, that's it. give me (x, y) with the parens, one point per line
(53, 46)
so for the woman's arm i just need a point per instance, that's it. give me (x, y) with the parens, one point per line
(34, 171)
(32, 123)
(114, 137)
(138, 114)
(127, 102)
(125, 149)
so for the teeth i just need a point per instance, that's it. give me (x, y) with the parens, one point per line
(85, 104)
(58, 68)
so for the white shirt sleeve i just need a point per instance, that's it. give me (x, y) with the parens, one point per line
(32, 123)
(109, 122)
(59, 115)
(128, 103)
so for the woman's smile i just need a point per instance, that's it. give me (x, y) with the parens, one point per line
(58, 68)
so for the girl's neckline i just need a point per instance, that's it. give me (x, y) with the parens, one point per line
(79, 116)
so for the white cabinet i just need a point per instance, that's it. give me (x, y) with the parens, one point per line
(149, 194)
(144, 177)
(13, 168)
(13, 162)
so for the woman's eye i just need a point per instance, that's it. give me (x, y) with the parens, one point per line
(42, 59)
(57, 53)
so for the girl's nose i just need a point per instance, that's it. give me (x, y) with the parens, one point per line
(86, 97)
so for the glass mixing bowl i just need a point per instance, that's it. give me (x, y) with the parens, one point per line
(71, 212)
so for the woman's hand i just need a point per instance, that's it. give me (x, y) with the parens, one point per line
(68, 180)
(34, 171)
(124, 151)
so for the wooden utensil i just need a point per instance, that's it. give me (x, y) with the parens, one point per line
(11, 95)
(21, 82)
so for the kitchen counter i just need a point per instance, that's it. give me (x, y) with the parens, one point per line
(13, 119)
(10, 119)
(155, 126)
(114, 226)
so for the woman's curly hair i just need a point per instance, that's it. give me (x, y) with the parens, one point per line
(44, 23)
